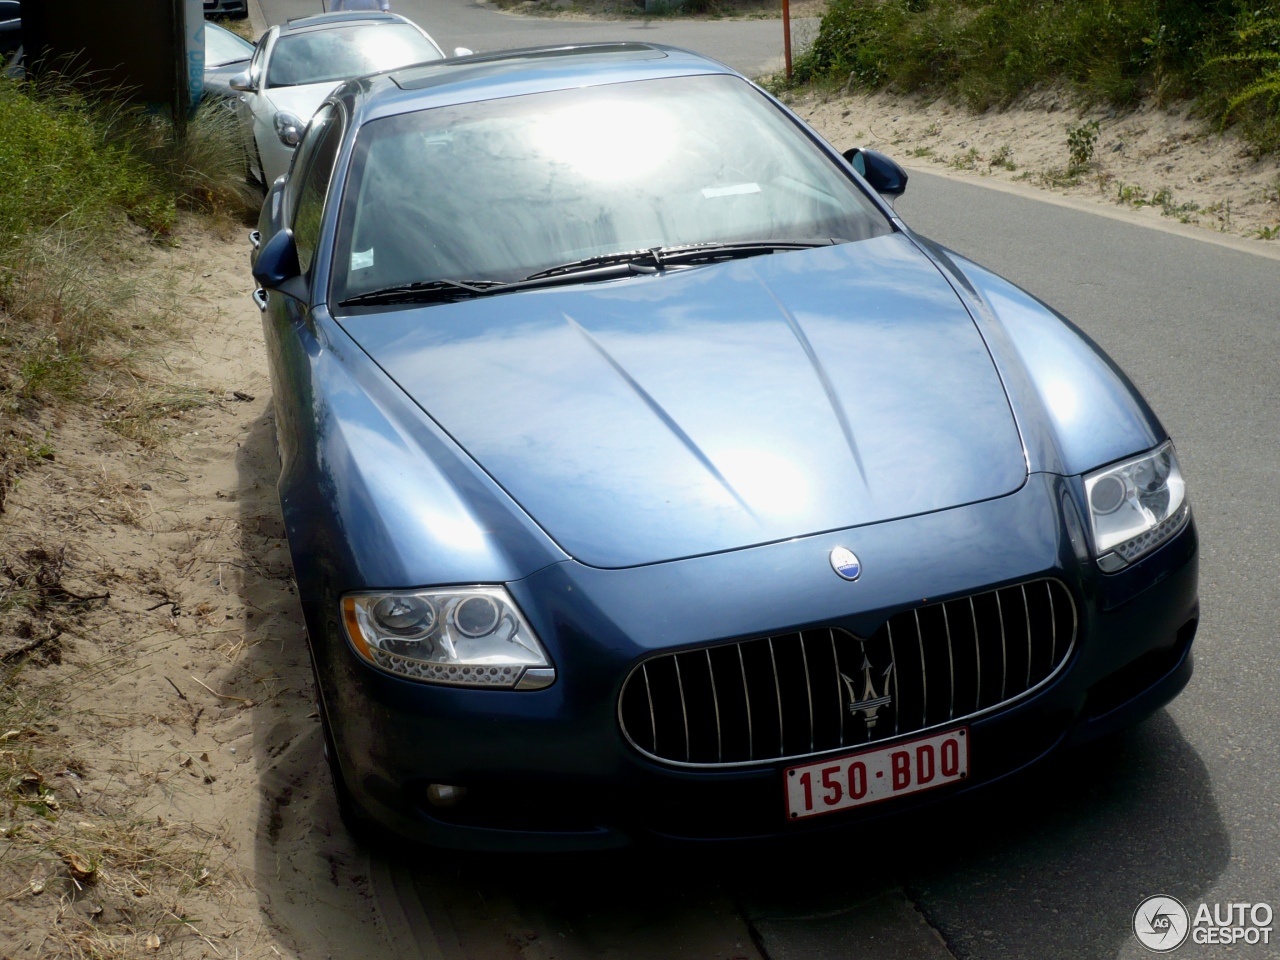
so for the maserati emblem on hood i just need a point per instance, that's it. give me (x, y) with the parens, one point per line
(869, 703)
(845, 563)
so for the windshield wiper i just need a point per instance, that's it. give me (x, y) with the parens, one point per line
(682, 255)
(450, 291)
(608, 266)
(429, 291)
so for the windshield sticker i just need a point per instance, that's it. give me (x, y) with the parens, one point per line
(362, 259)
(737, 190)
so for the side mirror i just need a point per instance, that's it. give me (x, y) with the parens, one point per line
(885, 176)
(276, 266)
(241, 82)
(462, 51)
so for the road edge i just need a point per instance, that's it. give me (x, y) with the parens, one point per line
(257, 19)
(1152, 221)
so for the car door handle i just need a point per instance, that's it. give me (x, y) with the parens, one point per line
(260, 298)
(255, 239)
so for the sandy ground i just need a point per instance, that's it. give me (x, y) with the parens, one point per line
(177, 804)
(1161, 166)
(183, 700)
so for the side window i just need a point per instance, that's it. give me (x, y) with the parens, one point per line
(314, 164)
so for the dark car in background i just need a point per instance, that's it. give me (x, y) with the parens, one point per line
(646, 475)
(226, 8)
(10, 27)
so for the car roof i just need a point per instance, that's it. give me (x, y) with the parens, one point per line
(488, 76)
(342, 17)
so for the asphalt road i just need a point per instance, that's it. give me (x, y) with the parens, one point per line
(1188, 804)
(751, 46)
(1049, 867)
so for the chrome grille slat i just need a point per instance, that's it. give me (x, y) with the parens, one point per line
(777, 686)
(977, 656)
(715, 702)
(746, 697)
(893, 658)
(951, 664)
(1004, 650)
(1053, 636)
(684, 710)
(1026, 612)
(835, 658)
(924, 674)
(808, 688)
(667, 698)
(653, 719)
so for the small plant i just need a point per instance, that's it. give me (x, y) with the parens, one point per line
(1081, 141)
(1130, 195)
(922, 152)
(965, 161)
(1268, 233)
(1182, 212)
(1003, 158)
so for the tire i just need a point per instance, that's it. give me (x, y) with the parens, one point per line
(354, 817)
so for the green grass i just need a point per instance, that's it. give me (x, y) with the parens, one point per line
(1223, 53)
(85, 182)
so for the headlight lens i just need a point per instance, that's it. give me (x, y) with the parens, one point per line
(465, 636)
(1135, 506)
(288, 128)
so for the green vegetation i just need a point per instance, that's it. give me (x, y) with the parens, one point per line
(1225, 54)
(1081, 141)
(85, 183)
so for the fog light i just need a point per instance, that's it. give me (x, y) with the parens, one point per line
(445, 795)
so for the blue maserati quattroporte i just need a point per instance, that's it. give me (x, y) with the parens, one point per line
(645, 475)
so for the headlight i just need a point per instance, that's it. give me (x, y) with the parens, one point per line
(465, 636)
(1135, 506)
(288, 128)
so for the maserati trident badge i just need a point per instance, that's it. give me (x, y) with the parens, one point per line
(845, 563)
(871, 701)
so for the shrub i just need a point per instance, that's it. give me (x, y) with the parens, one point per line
(988, 52)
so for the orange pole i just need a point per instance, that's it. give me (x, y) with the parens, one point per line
(786, 33)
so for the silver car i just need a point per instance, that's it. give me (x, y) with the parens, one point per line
(298, 64)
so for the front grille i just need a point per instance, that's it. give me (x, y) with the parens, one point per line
(816, 690)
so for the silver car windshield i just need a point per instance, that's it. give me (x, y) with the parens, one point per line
(501, 189)
(223, 47)
(339, 53)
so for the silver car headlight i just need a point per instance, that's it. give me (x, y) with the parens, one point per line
(464, 636)
(1135, 506)
(288, 128)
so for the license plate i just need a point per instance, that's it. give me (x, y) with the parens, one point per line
(839, 783)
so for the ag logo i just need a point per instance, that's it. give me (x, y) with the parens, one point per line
(1161, 924)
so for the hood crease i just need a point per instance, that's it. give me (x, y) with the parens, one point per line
(661, 413)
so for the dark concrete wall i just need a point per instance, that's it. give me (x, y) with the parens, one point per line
(135, 46)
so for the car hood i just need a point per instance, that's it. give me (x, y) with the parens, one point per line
(668, 416)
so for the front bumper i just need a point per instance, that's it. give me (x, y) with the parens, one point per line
(551, 769)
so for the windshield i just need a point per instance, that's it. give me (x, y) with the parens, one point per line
(501, 189)
(222, 46)
(339, 53)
